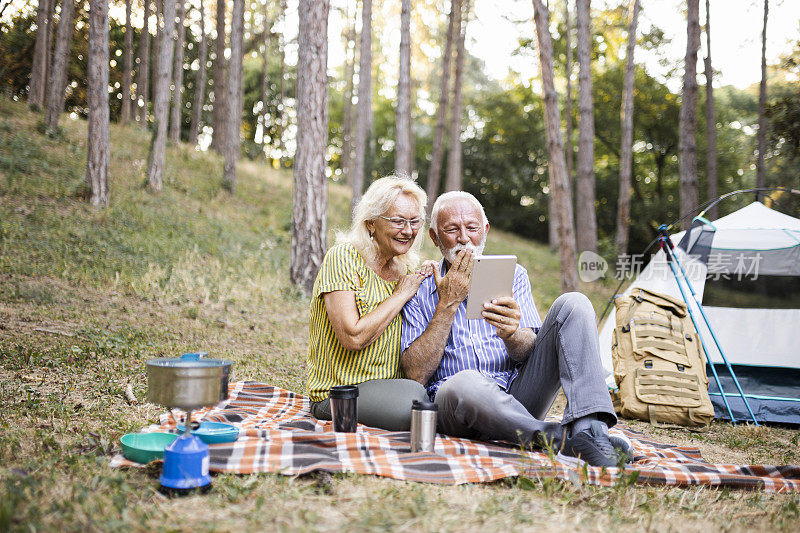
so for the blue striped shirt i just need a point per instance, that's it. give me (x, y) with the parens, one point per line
(472, 344)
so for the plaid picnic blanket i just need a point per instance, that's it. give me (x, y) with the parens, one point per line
(278, 434)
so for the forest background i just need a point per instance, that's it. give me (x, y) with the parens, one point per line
(505, 160)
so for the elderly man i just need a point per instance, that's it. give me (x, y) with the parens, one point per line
(496, 378)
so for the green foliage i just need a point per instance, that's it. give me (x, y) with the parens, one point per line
(505, 161)
(17, 38)
(784, 118)
(505, 158)
(253, 74)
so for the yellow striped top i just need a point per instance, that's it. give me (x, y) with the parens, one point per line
(329, 363)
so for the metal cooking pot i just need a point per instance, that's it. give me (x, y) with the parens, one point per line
(187, 382)
(226, 371)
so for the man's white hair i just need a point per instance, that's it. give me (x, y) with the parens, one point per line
(451, 197)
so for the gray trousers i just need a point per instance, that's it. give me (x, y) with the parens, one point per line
(566, 354)
(382, 403)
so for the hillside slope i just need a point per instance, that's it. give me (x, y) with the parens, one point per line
(202, 253)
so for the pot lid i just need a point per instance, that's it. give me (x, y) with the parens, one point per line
(187, 363)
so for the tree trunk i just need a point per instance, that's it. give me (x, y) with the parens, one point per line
(57, 85)
(559, 183)
(310, 198)
(412, 141)
(39, 66)
(761, 172)
(157, 56)
(711, 121)
(403, 158)
(125, 113)
(586, 217)
(200, 83)
(98, 141)
(364, 106)
(347, 106)
(155, 167)
(177, 75)
(437, 153)
(264, 115)
(234, 98)
(626, 149)
(454, 154)
(219, 112)
(552, 224)
(688, 117)
(143, 70)
(51, 30)
(281, 104)
(569, 152)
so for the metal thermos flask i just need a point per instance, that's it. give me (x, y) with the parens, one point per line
(423, 426)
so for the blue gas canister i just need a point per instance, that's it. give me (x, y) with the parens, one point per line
(185, 466)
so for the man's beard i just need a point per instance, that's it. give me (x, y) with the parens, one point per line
(450, 253)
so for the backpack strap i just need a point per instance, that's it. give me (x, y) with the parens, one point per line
(651, 413)
(636, 300)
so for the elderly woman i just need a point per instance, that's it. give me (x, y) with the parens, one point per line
(362, 285)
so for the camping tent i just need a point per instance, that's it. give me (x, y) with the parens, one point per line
(754, 248)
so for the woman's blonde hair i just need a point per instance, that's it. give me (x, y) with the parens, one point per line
(378, 199)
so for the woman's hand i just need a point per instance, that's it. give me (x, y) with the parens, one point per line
(408, 285)
(356, 332)
(428, 267)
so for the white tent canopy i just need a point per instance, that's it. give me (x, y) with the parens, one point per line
(756, 238)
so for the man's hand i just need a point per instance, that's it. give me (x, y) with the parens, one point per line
(422, 357)
(503, 313)
(454, 286)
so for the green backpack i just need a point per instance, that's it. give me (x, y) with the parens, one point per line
(658, 362)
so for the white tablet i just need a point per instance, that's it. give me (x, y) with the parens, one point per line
(492, 277)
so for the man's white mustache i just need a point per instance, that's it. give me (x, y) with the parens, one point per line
(468, 246)
(450, 253)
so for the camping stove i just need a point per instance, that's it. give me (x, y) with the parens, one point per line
(189, 383)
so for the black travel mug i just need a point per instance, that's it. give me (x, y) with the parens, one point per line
(344, 408)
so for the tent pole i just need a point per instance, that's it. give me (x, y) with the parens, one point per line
(666, 245)
(702, 344)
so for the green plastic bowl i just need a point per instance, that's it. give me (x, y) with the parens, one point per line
(146, 447)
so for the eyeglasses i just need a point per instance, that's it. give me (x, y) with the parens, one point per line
(400, 223)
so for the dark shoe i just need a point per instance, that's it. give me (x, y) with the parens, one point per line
(622, 448)
(593, 446)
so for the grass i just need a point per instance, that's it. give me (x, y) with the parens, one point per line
(86, 296)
